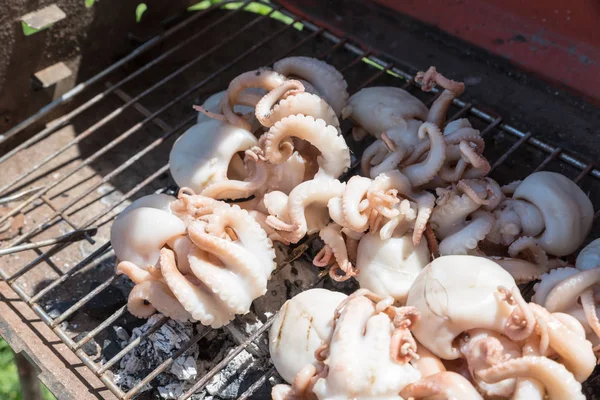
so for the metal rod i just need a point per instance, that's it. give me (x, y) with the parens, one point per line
(71, 237)
(584, 172)
(50, 204)
(91, 221)
(134, 343)
(138, 126)
(166, 363)
(92, 129)
(105, 324)
(93, 259)
(209, 375)
(461, 112)
(340, 42)
(84, 85)
(511, 150)
(20, 195)
(83, 301)
(551, 157)
(257, 384)
(491, 126)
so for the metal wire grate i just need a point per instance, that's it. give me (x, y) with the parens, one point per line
(115, 149)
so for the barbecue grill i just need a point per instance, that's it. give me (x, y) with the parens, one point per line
(62, 185)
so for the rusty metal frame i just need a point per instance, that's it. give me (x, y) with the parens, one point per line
(380, 64)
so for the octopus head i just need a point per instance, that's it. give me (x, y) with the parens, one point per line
(455, 294)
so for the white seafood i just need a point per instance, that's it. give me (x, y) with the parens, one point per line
(327, 80)
(468, 199)
(302, 325)
(589, 256)
(454, 294)
(389, 267)
(565, 211)
(367, 355)
(246, 103)
(143, 228)
(378, 109)
(206, 156)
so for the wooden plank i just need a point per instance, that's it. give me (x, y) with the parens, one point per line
(59, 368)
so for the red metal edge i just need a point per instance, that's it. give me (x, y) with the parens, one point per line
(554, 39)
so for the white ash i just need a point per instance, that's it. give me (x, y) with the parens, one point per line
(226, 383)
(153, 350)
(184, 368)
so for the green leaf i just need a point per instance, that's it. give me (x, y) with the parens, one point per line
(203, 5)
(139, 11)
(28, 31)
(256, 8)
(89, 3)
(379, 66)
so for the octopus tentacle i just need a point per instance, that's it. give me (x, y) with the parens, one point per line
(575, 352)
(452, 89)
(401, 223)
(549, 281)
(403, 346)
(335, 155)
(260, 78)
(261, 218)
(159, 298)
(589, 308)
(425, 205)
(465, 134)
(521, 322)
(328, 81)
(522, 271)
(333, 239)
(558, 381)
(423, 172)
(390, 162)
(323, 257)
(315, 193)
(196, 299)
(465, 240)
(565, 294)
(296, 103)
(451, 210)
(372, 155)
(236, 295)
(190, 206)
(533, 251)
(482, 349)
(266, 110)
(427, 363)
(135, 273)
(480, 165)
(447, 385)
(354, 193)
(382, 196)
(241, 189)
(248, 234)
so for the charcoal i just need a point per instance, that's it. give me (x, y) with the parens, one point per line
(90, 347)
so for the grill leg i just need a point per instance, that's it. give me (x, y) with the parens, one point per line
(30, 385)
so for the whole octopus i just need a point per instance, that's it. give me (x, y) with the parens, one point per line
(437, 247)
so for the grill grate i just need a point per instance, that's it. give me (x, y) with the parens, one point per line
(72, 179)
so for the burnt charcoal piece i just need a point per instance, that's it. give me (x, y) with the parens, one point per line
(105, 303)
(90, 347)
